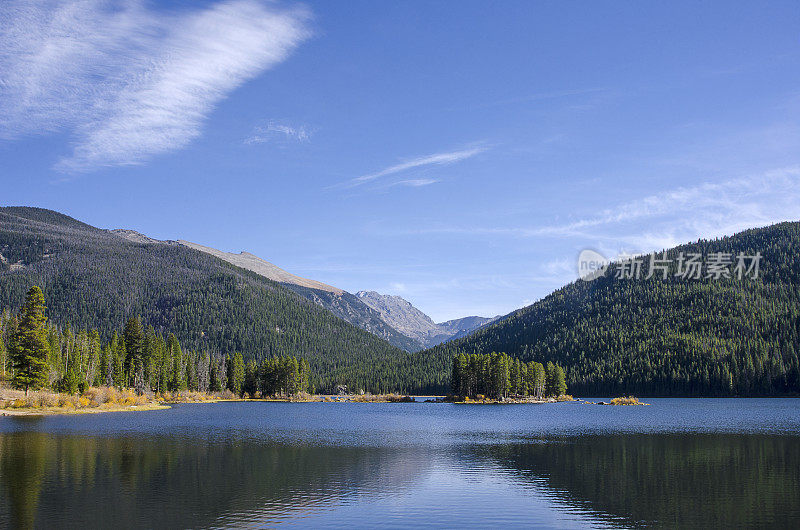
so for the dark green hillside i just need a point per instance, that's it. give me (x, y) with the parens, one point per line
(612, 336)
(676, 336)
(92, 278)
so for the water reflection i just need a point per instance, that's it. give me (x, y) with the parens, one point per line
(689, 480)
(168, 482)
(424, 466)
(22, 469)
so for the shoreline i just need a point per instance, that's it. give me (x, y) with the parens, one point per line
(56, 411)
(511, 400)
(8, 409)
(163, 405)
(307, 398)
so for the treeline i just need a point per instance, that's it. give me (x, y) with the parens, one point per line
(664, 337)
(35, 355)
(499, 376)
(275, 376)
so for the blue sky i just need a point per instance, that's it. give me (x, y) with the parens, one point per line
(459, 154)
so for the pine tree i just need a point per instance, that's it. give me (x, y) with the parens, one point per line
(72, 379)
(3, 359)
(522, 385)
(556, 381)
(164, 365)
(93, 365)
(251, 377)
(30, 348)
(514, 372)
(539, 380)
(499, 375)
(10, 330)
(191, 370)
(560, 381)
(304, 369)
(106, 371)
(293, 378)
(459, 375)
(549, 388)
(60, 352)
(119, 361)
(134, 353)
(229, 372)
(236, 373)
(203, 372)
(151, 357)
(217, 382)
(178, 373)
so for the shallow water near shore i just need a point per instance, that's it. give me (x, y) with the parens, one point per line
(677, 463)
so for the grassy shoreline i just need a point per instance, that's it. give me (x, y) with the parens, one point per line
(514, 401)
(108, 399)
(92, 401)
(50, 411)
(625, 401)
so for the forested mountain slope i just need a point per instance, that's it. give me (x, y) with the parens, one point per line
(93, 278)
(339, 302)
(390, 317)
(666, 337)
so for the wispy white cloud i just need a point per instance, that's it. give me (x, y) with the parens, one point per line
(126, 81)
(671, 217)
(273, 130)
(707, 210)
(398, 287)
(437, 159)
(415, 183)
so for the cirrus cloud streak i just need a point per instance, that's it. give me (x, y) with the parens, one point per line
(436, 159)
(125, 81)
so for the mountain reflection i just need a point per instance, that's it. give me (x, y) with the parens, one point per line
(252, 465)
(668, 480)
(166, 482)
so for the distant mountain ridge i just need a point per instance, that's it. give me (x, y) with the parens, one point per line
(253, 263)
(461, 327)
(136, 237)
(404, 317)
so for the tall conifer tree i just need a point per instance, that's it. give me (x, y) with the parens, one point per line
(30, 348)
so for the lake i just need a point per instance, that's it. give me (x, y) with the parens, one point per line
(717, 463)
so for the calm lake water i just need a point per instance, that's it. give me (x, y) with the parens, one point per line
(679, 463)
